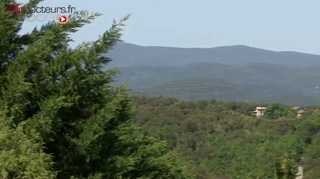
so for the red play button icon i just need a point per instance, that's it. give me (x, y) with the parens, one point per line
(62, 19)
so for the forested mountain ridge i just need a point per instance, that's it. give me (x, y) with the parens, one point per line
(126, 54)
(222, 140)
(234, 73)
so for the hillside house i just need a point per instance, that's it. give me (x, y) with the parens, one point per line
(299, 110)
(259, 111)
(299, 113)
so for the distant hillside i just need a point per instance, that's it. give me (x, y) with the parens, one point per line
(126, 54)
(232, 73)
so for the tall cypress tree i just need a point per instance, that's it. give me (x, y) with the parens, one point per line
(59, 115)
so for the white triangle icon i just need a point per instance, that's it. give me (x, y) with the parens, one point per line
(62, 19)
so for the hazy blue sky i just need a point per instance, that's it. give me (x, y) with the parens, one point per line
(270, 24)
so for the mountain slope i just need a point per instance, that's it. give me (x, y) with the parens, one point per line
(126, 54)
(227, 73)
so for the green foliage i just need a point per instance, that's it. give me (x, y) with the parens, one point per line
(60, 116)
(275, 111)
(223, 140)
(21, 156)
(286, 167)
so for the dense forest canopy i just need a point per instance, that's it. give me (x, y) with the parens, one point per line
(62, 117)
(224, 140)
